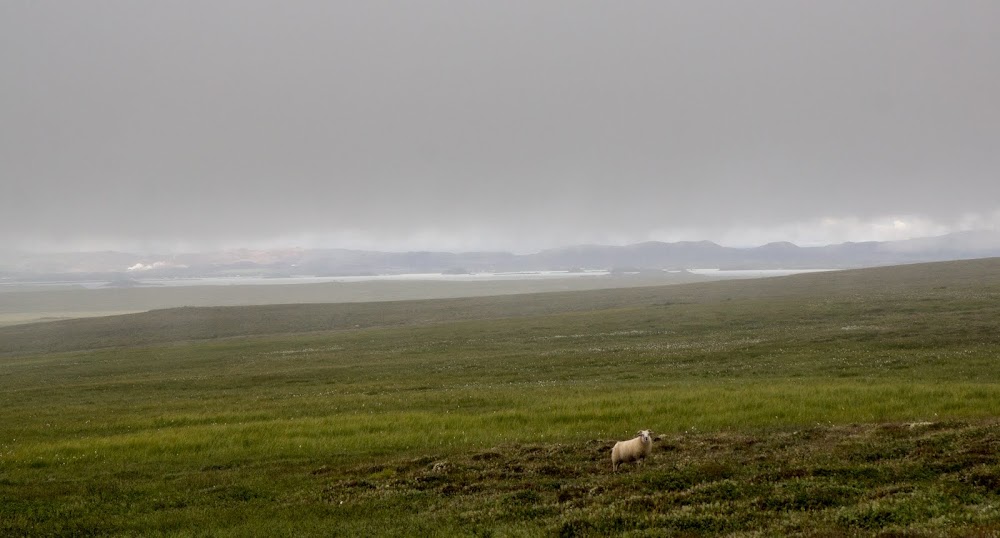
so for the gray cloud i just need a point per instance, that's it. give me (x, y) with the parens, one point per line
(494, 124)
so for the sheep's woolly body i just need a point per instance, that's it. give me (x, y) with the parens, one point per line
(636, 449)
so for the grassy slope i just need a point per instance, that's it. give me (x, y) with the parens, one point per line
(886, 285)
(496, 415)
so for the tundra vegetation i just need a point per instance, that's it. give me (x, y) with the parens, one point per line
(859, 402)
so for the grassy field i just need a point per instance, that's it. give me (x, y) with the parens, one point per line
(859, 402)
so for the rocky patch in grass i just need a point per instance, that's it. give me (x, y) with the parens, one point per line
(924, 479)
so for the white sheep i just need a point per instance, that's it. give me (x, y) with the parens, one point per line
(636, 449)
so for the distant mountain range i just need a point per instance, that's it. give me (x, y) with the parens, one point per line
(124, 267)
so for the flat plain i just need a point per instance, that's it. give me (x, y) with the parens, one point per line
(862, 402)
(24, 303)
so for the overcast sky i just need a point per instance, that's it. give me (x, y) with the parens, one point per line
(187, 125)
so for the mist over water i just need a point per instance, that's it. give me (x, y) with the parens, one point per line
(307, 279)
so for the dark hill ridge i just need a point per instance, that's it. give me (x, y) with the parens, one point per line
(945, 281)
(778, 255)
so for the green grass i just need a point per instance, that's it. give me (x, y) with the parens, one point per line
(861, 402)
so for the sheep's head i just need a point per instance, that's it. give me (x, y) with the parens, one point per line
(646, 435)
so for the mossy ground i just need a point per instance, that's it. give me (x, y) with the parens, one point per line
(863, 403)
